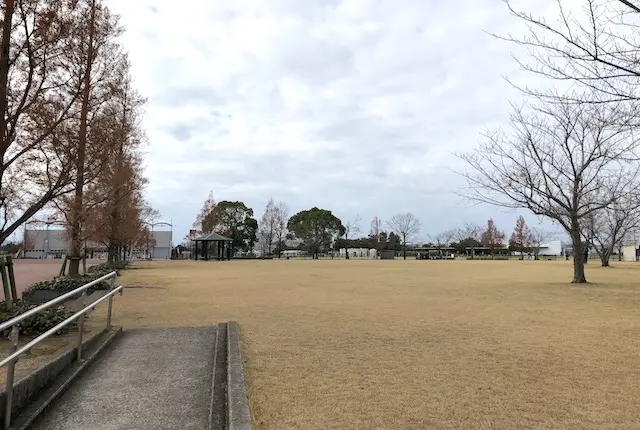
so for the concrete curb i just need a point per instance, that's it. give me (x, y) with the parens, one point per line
(239, 414)
(229, 407)
(43, 400)
(217, 407)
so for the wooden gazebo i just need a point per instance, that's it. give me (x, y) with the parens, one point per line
(221, 249)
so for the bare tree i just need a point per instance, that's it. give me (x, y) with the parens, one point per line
(268, 226)
(521, 237)
(471, 233)
(607, 228)
(94, 60)
(562, 160)
(596, 46)
(36, 99)
(351, 228)
(280, 232)
(406, 226)
(536, 238)
(444, 238)
(492, 238)
(375, 231)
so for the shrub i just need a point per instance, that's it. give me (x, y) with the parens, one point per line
(38, 323)
(64, 284)
(104, 268)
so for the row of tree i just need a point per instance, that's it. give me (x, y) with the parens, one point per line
(571, 154)
(70, 129)
(317, 230)
(523, 239)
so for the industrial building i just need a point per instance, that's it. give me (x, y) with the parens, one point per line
(54, 243)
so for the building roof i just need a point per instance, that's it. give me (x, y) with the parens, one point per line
(212, 237)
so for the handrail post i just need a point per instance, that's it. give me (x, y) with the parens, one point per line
(13, 337)
(109, 310)
(81, 326)
(112, 281)
(12, 278)
(5, 284)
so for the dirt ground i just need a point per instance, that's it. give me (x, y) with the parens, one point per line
(29, 272)
(413, 344)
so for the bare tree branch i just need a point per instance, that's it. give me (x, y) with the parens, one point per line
(598, 49)
(406, 226)
(560, 160)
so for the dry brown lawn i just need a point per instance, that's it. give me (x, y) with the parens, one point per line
(413, 344)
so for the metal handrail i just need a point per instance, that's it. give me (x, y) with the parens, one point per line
(12, 359)
(53, 330)
(15, 320)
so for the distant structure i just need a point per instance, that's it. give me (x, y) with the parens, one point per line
(554, 248)
(369, 253)
(160, 246)
(42, 244)
(631, 252)
(53, 243)
(387, 254)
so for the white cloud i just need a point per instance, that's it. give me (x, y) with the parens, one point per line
(353, 105)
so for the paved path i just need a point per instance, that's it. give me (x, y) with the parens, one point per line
(147, 379)
(29, 272)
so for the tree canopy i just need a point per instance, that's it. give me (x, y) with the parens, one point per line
(235, 220)
(316, 228)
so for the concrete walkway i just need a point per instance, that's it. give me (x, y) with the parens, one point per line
(148, 379)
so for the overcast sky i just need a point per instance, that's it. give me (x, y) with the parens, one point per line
(354, 106)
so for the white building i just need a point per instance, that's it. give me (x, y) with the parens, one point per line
(161, 248)
(292, 253)
(555, 247)
(53, 243)
(42, 244)
(631, 252)
(359, 253)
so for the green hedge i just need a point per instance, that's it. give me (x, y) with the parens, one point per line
(104, 268)
(64, 284)
(38, 323)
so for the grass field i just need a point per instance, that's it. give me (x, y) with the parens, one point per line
(413, 344)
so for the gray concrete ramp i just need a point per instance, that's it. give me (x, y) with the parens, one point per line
(148, 379)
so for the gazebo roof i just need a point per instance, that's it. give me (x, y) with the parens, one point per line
(212, 237)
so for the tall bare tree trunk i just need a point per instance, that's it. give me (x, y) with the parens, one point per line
(4, 80)
(115, 241)
(76, 227)
(4, 68)
(578, 253)
(346, 246)
(404, 246)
